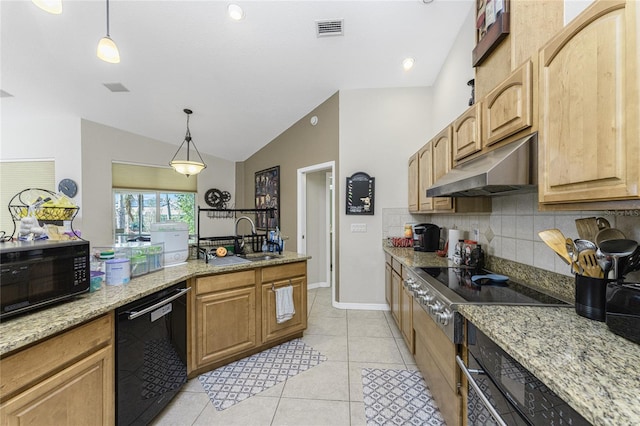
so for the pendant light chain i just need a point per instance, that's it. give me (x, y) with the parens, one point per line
(108, 35)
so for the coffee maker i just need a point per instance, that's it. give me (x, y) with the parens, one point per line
(426, 237)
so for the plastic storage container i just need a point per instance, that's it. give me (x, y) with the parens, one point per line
(175, 236)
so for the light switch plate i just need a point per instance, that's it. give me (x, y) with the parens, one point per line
(358, 227)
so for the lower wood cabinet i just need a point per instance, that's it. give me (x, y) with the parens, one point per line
(234, 314)
(406, 312)
(66, 379)
(387, 279)
(396, 289)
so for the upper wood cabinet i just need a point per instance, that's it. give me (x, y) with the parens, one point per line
(467, 133)
(414, 183)
(425, 175)
(442, 164)
(507, 109)
(589, 126)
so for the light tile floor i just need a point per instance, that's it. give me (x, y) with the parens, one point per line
(328, 394)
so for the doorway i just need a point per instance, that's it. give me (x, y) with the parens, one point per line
(316, 218)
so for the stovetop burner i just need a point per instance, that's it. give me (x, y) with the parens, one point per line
(488, 291)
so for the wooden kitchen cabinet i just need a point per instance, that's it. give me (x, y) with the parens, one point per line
(589, 131)
(273, 277)
(466, 132)
(414, 183)
(406, 312)
(387, 278)
(435, 357)
(508, 109)
(225, 315)
(396, 289)
(425, 175)
(66, 379)
(442, 145)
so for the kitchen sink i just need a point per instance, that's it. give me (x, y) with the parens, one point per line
(257, 257)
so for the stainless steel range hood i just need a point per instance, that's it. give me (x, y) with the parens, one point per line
(505, 170)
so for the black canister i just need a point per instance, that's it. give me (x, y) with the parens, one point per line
(591, 297)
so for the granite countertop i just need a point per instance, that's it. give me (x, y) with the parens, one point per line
(25, 329)
(592, 369)
(417, 259)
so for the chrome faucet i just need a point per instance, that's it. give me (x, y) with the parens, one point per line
(253, 226)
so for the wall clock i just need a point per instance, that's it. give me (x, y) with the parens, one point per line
(68, 187)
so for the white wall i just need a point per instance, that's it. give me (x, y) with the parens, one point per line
(379, 130)
(101, 145)
(55, 136)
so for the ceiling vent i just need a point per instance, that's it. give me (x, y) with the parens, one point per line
(116, 87)
(330, 27)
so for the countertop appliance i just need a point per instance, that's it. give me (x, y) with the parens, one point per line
(623, 310)
(175, 236)
(503, 392)
(426, 237)
(150, 354)
(441, 290)
(34, 274)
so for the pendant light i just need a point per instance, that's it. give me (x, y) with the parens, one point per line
(107, 49)
(187, 167)
(51, 6)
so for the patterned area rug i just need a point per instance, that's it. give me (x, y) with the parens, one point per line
(398, 397)
(249, 376)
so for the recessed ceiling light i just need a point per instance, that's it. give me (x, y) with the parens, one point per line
(235, 12)
(407, 64)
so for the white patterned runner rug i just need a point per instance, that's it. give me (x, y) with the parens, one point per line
(398, 397)
(235, 382)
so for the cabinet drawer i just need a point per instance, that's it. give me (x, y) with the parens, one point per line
(396, 265)
(387, 258)
(225, 281)
(507, 109)
(271, 273)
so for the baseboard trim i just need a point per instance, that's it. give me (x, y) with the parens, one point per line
(317, 285)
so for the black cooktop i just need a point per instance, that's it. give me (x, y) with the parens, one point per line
(487, 291)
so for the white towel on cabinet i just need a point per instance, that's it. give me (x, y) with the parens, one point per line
(284, 304)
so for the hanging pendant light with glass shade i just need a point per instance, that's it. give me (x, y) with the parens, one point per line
(107, 49)
(51, 6)
(187, 167)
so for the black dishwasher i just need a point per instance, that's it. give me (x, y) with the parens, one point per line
(150, 354)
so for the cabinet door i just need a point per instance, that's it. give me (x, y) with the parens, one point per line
(413, 183)
(507, 109)
(271, 329)
(441, 165)
(466, 133)
(589, 129)
(387, 283)
(407, 317)
(81, 394)
(425, 175)
(396, 288)
(225, 324)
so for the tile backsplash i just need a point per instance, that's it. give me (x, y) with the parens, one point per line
(510, 231)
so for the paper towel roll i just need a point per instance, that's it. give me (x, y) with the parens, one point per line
(454, 236)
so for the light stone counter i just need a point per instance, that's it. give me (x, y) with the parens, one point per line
(417, 259)
(25, 329)
(592, 369)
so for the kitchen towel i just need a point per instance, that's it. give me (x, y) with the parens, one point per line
(284, 304)
(454, 236)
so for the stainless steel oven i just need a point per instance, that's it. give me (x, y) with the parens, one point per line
(502, 392)
(34, 274)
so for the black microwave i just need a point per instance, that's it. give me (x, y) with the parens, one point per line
(38, 273)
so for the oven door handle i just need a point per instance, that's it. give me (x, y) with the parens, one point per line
(136, 314)
(479, 392)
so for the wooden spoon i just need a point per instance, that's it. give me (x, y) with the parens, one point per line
(587, 228)
(589, 264)
(556, 241)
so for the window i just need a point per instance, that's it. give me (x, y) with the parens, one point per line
(136, 210)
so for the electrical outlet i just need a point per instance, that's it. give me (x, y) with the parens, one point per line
(476, 234)
(358, 227)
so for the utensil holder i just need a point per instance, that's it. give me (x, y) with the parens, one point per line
(591, 297)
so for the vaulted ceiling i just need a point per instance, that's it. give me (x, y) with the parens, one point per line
(247, 81)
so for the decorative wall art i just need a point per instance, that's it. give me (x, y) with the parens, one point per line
(267, 185)
(360, 194)
(492, 25)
